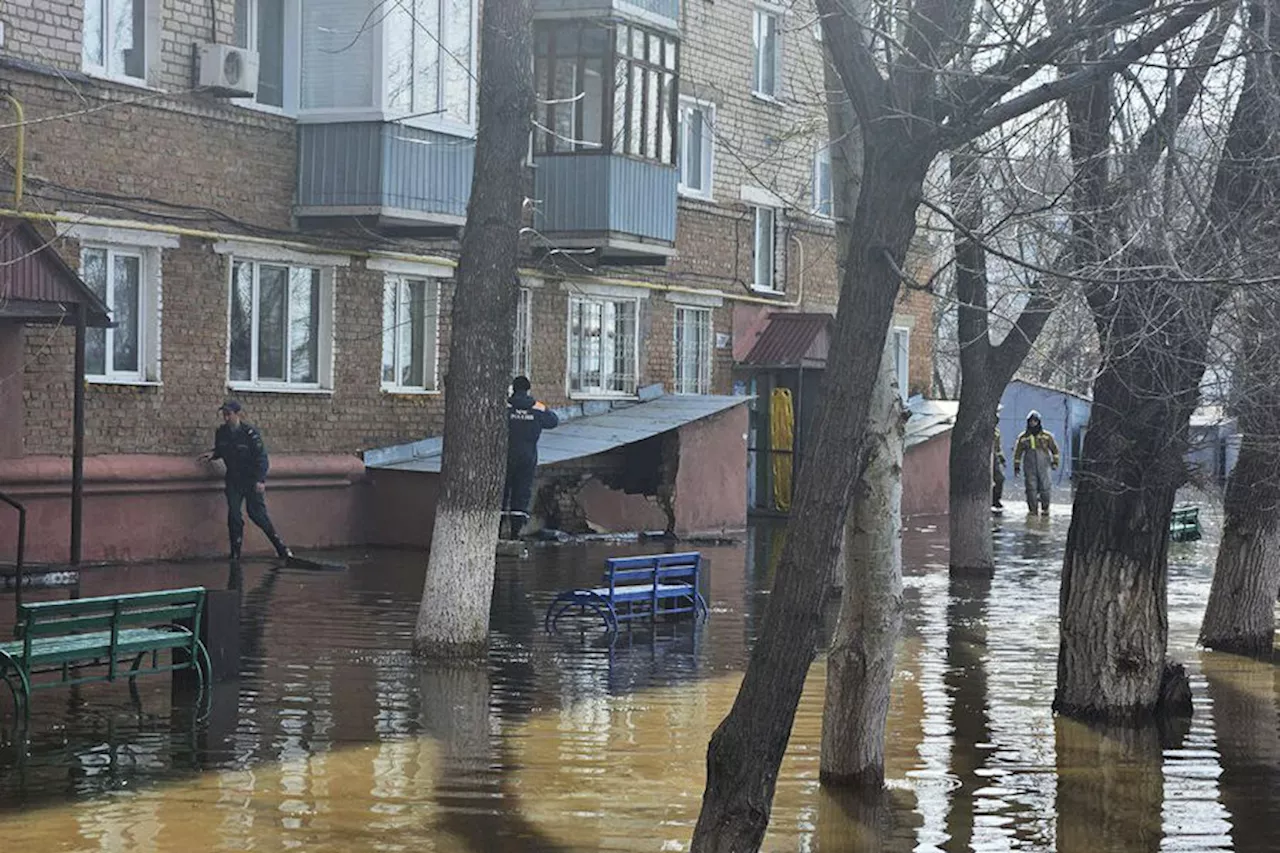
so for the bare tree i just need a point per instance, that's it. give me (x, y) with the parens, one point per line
(453, 620)
(1154, 305)
(985, 370)
(909, 109)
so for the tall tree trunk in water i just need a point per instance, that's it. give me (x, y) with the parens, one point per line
(860, 663)
(453, 620)
(1154, 335)
(1114, 623)
(985, 370)
(747, 747)
(1240, 616)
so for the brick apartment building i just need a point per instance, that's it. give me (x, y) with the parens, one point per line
(295, 246)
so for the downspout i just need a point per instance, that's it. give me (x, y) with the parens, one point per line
(20, 166)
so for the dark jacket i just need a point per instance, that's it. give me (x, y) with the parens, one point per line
(526, 419)
(243, 452)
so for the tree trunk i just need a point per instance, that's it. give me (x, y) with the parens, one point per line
(1114, 622)
(747, 748)
(1240, 616)
(860, 663)
(453, 620)
(985, 370)
(972, 440)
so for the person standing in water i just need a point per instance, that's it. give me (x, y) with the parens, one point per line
(1036, 453)
(239, 445)
(526, 419)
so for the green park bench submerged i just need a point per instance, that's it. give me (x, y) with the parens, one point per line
(1184, 526)
(102, 639)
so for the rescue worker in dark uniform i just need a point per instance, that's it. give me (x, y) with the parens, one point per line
(1036, 452)
(239, 445)
(526, 419)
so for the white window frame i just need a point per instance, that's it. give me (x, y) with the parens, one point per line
(431, 347)
(291, 57)
(428, 119)
(683, 315)
(148, 372)
(324, 326)
(150, 42)
(821, 153)
(771, 286)
(601, 391)
(708, 164)
(759, 17)
(900, 340)
(522, 346)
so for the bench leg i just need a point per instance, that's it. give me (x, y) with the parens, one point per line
(21, 692)
(204, 669)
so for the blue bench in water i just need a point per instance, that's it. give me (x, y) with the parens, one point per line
(637, 588)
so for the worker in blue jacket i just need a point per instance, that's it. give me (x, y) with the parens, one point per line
(526, 419)
(240, 447)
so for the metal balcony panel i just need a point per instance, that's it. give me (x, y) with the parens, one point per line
(383, 170)
(603, 194)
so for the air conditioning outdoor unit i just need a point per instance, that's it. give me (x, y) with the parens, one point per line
(228, 71)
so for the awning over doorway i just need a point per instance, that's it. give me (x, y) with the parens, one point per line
(791, 341)
(37, 285)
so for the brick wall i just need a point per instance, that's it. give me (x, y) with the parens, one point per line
(189, 159)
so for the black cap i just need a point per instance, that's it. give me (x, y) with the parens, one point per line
(520, 384)
(230, 406)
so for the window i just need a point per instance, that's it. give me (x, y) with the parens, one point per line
(522, 345)
(581, 110)
(260, 27)
(822, 189)
(697, 121)
(762, 254)
(900, 340)
(410, 333)
(115, 38)
(120, 276)
(429, 63)
(693, 351)
(767, 54)
(279, 325)
(603, 352)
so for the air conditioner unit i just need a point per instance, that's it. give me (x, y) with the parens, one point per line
(228, 71)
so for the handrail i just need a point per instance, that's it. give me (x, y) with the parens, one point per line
(22, 549)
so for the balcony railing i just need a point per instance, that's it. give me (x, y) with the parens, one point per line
(621, 207)
(396, 177)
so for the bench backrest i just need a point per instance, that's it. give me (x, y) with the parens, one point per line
(110, 612)
(653, 568)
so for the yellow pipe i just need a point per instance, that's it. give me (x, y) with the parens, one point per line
(21, 164)
(204, 234)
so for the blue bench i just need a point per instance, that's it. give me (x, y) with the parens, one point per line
(637, 588)
(104, 638)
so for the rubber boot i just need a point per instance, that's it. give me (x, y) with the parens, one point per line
(235, 549)
(282, 550)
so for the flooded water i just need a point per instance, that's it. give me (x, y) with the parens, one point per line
(335, 739)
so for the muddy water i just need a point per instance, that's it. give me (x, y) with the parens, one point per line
(334, 739)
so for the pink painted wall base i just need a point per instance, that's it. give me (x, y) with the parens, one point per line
(140, 507)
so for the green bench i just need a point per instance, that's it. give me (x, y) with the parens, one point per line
(102, 639)
(1184, 526)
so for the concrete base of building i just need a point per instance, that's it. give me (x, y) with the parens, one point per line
(144, 507)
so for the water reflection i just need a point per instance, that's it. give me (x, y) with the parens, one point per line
(335, 738)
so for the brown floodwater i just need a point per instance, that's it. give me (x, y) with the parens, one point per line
(336, 739)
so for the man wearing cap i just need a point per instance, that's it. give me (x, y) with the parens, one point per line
(239, 445)
(526, 419)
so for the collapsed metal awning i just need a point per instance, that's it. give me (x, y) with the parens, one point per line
(579, 434)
